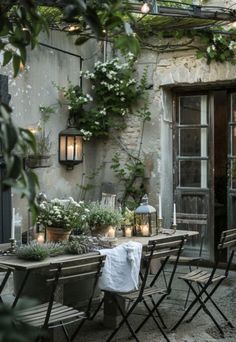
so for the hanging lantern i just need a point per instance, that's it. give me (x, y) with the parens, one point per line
(70, 147)
(145, 219)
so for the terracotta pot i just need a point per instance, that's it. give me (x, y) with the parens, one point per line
(104, 230)
(57, 234)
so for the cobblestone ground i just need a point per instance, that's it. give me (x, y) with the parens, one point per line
(201, 329)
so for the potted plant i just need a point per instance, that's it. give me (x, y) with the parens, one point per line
(43, 145)
(103, 220)
(59, 218)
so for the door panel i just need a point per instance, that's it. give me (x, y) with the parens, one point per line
(232, 163)
(191, 142)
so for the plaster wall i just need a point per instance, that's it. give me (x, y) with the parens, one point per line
(34, 87)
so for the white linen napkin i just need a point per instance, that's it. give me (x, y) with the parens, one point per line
(121, 270)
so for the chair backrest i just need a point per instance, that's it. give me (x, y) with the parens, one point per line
(228, 240)
(163, 248)
(194, 221)
(80, 267)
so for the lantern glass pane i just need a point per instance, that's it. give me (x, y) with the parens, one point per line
(70, 148)
(62, 147)
(78, 148)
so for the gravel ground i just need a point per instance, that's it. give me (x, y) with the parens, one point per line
(201, 329)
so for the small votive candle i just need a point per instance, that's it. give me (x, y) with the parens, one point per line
(111, 232)
(40, 238)
(128, 231)
(144, 229)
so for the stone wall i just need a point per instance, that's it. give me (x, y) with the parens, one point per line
(166, 70)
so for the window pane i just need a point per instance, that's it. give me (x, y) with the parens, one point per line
(233, 130)
(193, 142)
(233, 174)
(233, 107)
(190, 110)
(190, 173)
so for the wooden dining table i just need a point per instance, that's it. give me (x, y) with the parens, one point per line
(110, 312)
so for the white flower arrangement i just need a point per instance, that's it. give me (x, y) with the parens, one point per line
(62, 214)
(115, 91)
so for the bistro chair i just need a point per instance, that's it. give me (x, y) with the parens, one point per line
(189, 260)
(208, 282)
(173, 245)
(54, 314)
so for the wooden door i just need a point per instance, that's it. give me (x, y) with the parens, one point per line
(5, 194)
(192, 166)
(231, 193)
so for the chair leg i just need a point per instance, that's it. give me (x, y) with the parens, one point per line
(208, 297)
(187, 310)
(65, 332)
(155, 320)
(124, 320)
(77, 329)
(97, 309)
(164, 276)
(150, 313)
(206, 310)
(158, 314)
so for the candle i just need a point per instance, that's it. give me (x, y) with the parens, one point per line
(128, 231)
(70, 152)
(40, 238)
(13, 223)
(174, 215)
(145, 230)
(160, 208)
(111, 232)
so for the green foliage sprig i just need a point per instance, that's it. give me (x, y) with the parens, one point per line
(36, 252)
(131, 175)
(101, 215)
(78, 245)
(115, 92)
(15, 143)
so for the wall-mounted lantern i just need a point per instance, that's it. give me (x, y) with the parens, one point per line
(70, 147)
(145, 219)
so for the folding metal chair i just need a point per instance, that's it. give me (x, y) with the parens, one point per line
(172, 245)
(54, 314)
(189, 261)
(208, 282)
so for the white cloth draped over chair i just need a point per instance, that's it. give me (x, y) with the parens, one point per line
(121, 269)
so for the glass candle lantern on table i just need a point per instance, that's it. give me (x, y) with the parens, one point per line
(145, 219)
(128, 231)
(41, 238)
(111, 232)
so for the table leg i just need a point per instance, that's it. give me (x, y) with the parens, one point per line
(112, 315)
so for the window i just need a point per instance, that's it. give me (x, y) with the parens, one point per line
(192, 149)
(233, 141)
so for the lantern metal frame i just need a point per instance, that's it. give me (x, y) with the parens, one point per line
(75, 134)
(147, 212)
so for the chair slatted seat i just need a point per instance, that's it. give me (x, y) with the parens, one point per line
(146, 293)
(208, 282)
(200, 276)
